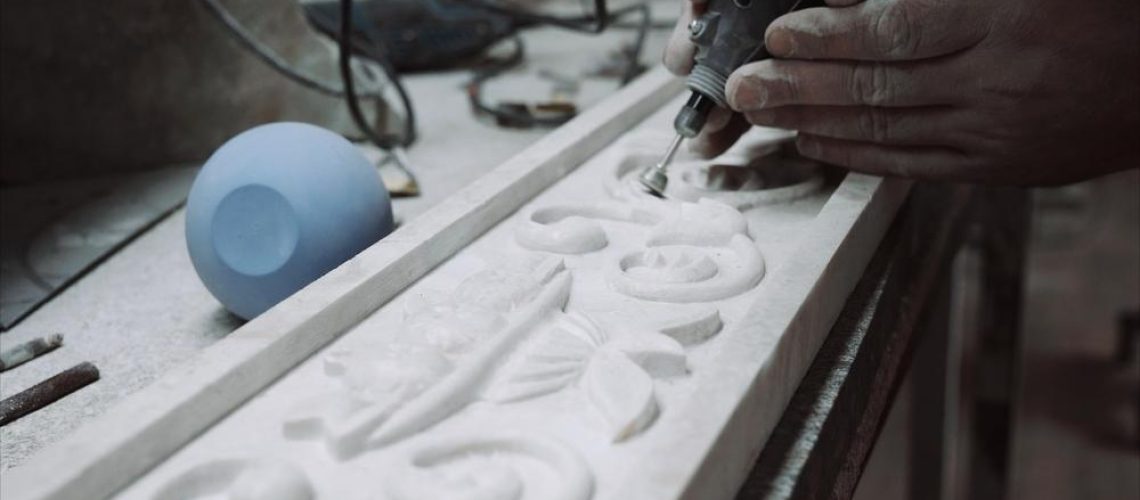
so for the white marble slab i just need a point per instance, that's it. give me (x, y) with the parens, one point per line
(114, 448)
(596, 344)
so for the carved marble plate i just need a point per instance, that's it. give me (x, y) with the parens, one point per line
(549, 359)
(597, 343)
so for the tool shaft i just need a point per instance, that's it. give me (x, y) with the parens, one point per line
(671, 152)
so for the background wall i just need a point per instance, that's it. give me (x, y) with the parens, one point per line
(91, 87)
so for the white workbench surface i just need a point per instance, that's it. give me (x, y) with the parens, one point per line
(143, 310)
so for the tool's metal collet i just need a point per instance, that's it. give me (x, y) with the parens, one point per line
(655, 178)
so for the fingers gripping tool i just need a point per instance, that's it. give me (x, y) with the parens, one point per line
(727, 36)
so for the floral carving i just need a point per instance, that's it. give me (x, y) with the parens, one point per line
(425, 406)
(239, 479)
(615, 374)
(758, 174)
(486, 467)
(391, 395)
(572, 229)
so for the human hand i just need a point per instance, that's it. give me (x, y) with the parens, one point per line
(1017, 92)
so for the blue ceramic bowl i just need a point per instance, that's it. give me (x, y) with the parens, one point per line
(277, 207)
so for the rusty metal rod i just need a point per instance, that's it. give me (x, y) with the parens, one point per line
(47, 392)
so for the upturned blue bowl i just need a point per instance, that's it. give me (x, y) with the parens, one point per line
(277, 207)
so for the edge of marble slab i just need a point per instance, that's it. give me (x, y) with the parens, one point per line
(834, 246)
(791, 321)
(107, 453)
(767, 354)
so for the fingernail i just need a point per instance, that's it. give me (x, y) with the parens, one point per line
(762, 117)
(780, 42)
(746, 92)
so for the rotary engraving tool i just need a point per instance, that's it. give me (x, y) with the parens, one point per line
(728, 35)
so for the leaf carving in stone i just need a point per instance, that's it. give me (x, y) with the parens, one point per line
(379, 381)
(501, 336)
(239, 479)
(615, 373)
(463, 385)
(395, 393)
(692, 327)
(659, 355)
(621, 392)
(489, 466)
(447, 324)
(553, 360)
(502, 289)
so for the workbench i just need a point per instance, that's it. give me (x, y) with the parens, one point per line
(949, 272)
(119, 315)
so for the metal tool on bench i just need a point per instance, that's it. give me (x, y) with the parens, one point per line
(728, 35)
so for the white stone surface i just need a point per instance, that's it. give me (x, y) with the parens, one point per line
(623, 359)
(585, 369)
(108, 452)
(144, 311)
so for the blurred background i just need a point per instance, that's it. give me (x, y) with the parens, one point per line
(1076, 400)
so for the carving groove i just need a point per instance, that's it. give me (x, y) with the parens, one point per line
(751, 177)
(239, 480)
(572, 229)
(689, 274)
(696, 252)
(503, 336)
(411, 398)
(484, 468)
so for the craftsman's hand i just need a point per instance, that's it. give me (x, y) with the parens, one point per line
(1018, 91)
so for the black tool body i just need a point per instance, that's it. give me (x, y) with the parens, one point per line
(728, 35)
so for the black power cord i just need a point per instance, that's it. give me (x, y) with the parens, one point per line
(586, 24)
(601, 19)
(344, 44)
(347, 91)
(593, 24)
